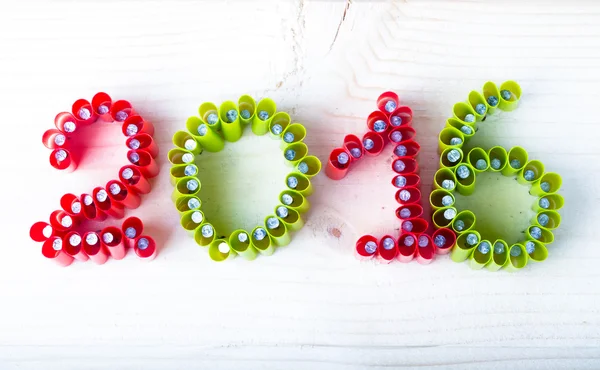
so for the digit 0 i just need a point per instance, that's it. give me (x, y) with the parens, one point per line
(65, 237)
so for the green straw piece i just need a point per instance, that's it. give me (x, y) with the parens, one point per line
(476, 98)
(232, 131)
(553, 219)
(211, 141)
(461, 110)
(546, 238)
(490, 89)
(304, 185)
(300, 149)
(181, 187)
(207, 109)
(519, 154)
(313, 163)
(475, 155)
(468, 218)
(556, 202)
(219, 250)
(182, 203)
(458, 124)
(299, 132)
(282, 119)
(244, 249)
(280, 235)
(442, 174)
(499, 153)
(516, 263)
(465, 186)
(246, 102)
(553, 179)
(188, 223)
(446, 135)
(178, 171)
(436, 196)
(538, 169)
(499, 260)
(260, 127)
(175, 156)
(186, 141)
(293, 221)
(200, 239)
(266, 246)
(478, 260)
(445, 162)
(299, 202)
(438, 218)
(512, 103)
(540, 253)
(462, 251)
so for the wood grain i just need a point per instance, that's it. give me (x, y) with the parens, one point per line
(311, 305)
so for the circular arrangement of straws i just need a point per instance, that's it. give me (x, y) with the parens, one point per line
(216, 125)
(458, 172)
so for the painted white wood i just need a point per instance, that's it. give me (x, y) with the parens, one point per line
(311, 305)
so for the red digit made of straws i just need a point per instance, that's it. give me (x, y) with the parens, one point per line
(413, 240)
(64, 237)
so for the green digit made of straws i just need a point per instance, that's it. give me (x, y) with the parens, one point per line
(216, 125)
(458, 172)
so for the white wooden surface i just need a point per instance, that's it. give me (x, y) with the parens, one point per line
(311, 305)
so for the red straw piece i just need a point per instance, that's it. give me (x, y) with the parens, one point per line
(361, 252)
(411, 166)
(68, 164)
(107, 206)
(142, 126)
(377, 141)
(41, 231)
(75, 249)
(95, 251)
(146, 144)
(61, 119)
(411, 147)
(405, 113)
(103, 100)
(384, 98)
(57, 255)
(121, 110)
(416, 211)
(145, 248)
(125, 198)
(406, 252)
(450, 237)
(137, 182)
(415, 195)
(335, 170)
(419, 225)
(145, 163)
(426, 254)
(387, 255)
(112, 241)
(407, 133)
(49, 139)
(83, 107)
(137, 225)
(378, 116)
(412, 179)
(91, 211)
(353, 142)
